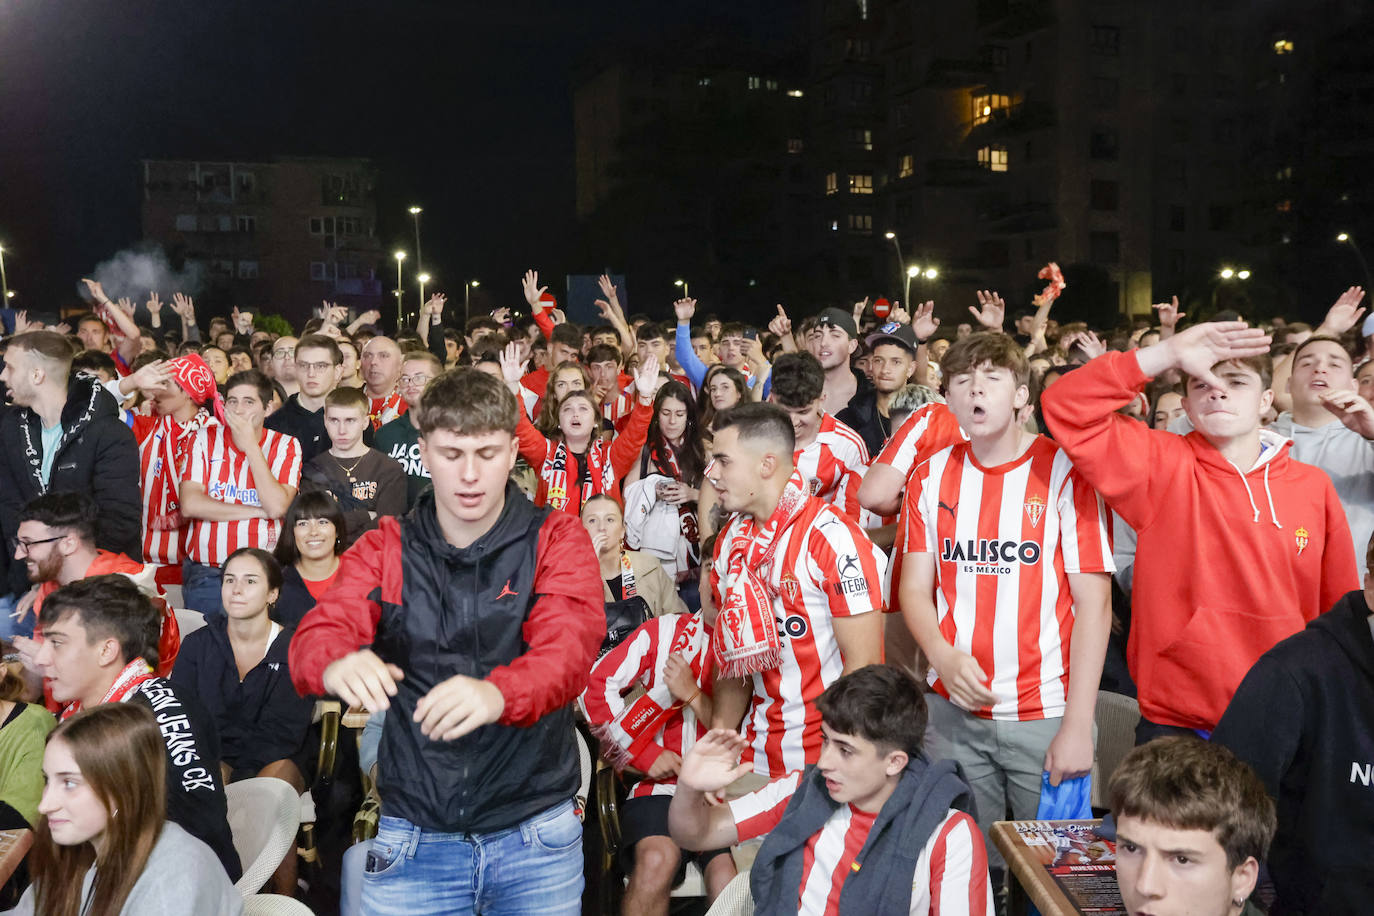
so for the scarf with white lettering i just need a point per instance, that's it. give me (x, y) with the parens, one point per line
(169, 448)
(627, 735)
(384, 410)
(595, 467)
(627, 577)
(748, 641)
(134, 674)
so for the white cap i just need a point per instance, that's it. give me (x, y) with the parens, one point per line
(1367, 330)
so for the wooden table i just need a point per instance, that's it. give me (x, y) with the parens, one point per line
(14, 845)
(1036, 884)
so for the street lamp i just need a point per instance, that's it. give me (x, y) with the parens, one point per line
(415, 212)
(423, 278)
(1344, 238)
(399, 256)
(912, 272)
(897, 247)
(467, 289)
(686, 293)
(916, 271)
(4, 284)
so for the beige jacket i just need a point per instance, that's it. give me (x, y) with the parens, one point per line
(652, 584)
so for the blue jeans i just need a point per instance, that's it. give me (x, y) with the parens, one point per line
(200, 589)
(532, 868)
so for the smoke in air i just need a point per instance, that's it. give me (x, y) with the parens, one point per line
(135, 272)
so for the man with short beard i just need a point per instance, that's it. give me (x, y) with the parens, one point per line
(381, 371)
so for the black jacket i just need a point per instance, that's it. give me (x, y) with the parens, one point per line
(293, 598)
(260, 719)
(307, 426)
(97, 455)
(195, 793)
(1304, 719)
(861, 415)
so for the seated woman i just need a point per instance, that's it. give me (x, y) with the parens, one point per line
(308, 550)
(237, 665)
(575, 463)
(636, 587)
(104, 844)
(23, 728)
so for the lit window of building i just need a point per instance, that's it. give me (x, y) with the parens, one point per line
(755, 82)
(832, 184)
(860, 184)
(861, 222)
(985, 107)
(906, 165)
(993, 158)
(1283, 46)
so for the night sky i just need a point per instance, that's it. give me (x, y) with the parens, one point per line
(465, 107)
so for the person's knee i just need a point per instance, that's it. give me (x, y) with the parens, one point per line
(656, 861)
(286, 771)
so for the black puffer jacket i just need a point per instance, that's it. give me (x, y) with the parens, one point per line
(97, 455)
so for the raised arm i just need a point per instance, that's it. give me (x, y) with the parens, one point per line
(533, 294)
(691, 364)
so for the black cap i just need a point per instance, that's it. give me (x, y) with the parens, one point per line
(840, 319)
(893, 332)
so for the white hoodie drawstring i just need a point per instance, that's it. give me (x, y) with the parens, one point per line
(1249, 494)
(1269, 493)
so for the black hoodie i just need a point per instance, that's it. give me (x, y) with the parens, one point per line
(97, 455)
(1304, 719)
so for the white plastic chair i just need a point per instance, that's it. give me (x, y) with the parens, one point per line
(188, 621)
(274, 905)
(735, 900)
(264, 815)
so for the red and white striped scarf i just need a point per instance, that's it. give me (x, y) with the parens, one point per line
(664, 459)
(134, 674)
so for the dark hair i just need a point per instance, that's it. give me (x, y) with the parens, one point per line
(48, 345)
(733, 329)
(321, 342)
(1001, 350)
(244, 350)
(252, 377)
(481, 323)
(698, 330)
(880, 703)
(798, 380)
(691, 458)
(1315, 339)
(1262, 365)
(760, 421)
(270, 567)
(568, 334)
(74, 511)
(1189, 784)
(603, 353)
(109, 606)
(706, 408)
(468, 402)
(308, 504)
(650, 330)
(94, 361)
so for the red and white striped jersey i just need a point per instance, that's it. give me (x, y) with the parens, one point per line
(157, 437)
(218, 466)
(639, 661)
(1006, 539)
(824, 567)
(834, 464)
(930, 428)
(951, 875)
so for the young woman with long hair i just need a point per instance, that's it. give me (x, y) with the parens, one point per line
(308, 550)
(574, 463)
(722, 388)
(566, 376)
(636, 586)
(23, 728)
(104, 846)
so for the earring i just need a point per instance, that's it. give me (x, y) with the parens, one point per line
(114, 812)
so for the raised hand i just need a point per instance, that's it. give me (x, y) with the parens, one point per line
(557, 316)
(62, 328)
(924, 322)
(859, 308)
(1351, 409)
(605, 309)
(899, 314)
(501, 315)
(126, 305)
(184, 306)
(713, 762)
(154, 303)
(1344, 314)
(97, 291)
(677, 674)
(22, 323)
(1091, 345)
(151, 376)
(1168, 313)
(1199, 348)
(685, 308)
(991, 312)
(435, 306)
(512, 370)
(371, 316)
(781, 325)
(646, 377)
(533, 291)
(243, 321)
(608, 289)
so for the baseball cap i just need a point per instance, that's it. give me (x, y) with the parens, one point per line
(840, 319)
(1367, 330)
(893, 332)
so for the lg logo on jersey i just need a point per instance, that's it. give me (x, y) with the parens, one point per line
(982, 556)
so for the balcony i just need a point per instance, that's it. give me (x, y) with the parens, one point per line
(1023, 217)
(947, 73)
(1020, 118)
(955, 173)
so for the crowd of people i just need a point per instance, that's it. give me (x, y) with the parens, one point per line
(831, 596)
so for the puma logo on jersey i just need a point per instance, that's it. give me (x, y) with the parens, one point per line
(505, 590)
(948, 508)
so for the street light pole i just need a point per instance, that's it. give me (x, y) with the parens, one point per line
(897, 247)
(4, 284)
(423, 278)
(400, 291)
(911, 273)
(1344, 237)
(419, 262)
(467, 289)
(686, 293)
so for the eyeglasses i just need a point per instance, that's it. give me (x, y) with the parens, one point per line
(415, 379)
(308, 368)
(285, 351)
(25, 544)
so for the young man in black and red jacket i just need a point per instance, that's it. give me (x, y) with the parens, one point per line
(475, 620)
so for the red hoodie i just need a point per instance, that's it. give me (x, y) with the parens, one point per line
(1227, 564)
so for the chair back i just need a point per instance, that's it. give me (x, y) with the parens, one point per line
(264, 815)
(274, 905)
(735, 900)
(1116, 717)
(188, 621)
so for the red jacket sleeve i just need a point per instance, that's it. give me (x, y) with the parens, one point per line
(627, 445)
(544, 321)
(564, 629)
(1122, 458)
(534, 448)
(345, 619)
